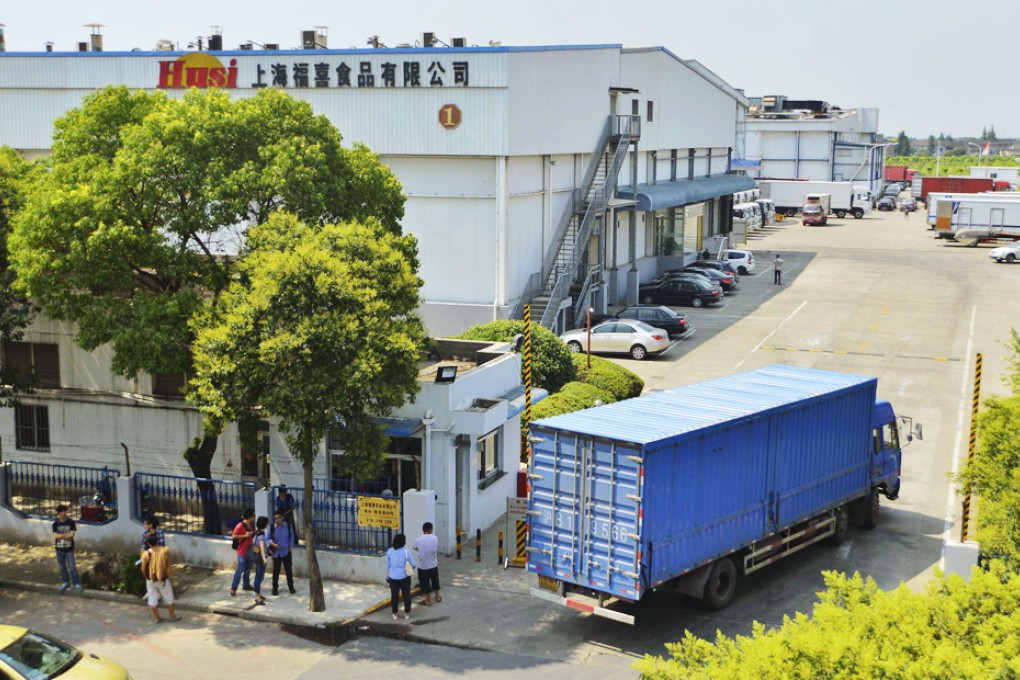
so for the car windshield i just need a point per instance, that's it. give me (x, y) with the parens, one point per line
(39, 656)
(812, 209)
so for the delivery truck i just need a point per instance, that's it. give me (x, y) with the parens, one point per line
(979, 220)
(940, 206)
(788, 196)
(694, 487)
(898, 173)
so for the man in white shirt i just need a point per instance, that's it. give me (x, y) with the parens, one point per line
(427, 547)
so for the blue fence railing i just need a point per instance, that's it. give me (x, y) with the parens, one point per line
(335, 515)
(36, 489)
(375, 487)
(193, 505)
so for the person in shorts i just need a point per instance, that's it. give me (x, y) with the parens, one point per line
(427, 547)
(157, 568)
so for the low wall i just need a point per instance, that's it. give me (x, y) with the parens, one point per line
(124, 534)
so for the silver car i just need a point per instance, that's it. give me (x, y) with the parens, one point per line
(619, 336)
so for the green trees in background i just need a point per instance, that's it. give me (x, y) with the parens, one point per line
(15, 311)
(902, 147)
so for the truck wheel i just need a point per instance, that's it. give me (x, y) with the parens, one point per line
(842, 517)
(791, 212)
(721, 584)
(858, 213)
(870, 510)
(841, 214)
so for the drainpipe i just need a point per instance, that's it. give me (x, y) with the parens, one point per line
(426, 454)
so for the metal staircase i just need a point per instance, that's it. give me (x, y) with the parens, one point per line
(567, 250)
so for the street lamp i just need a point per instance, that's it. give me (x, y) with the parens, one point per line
(938, 158)
(979, 149)
(590, 310)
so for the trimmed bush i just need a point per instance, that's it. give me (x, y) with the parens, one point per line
(604, 374)
(551, 364)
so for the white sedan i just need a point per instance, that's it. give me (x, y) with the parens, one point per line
(1007, 254)
(619, 336)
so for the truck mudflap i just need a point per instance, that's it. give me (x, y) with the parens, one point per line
(584, 603)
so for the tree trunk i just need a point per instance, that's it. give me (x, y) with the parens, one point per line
(199, 456)
(316, 598)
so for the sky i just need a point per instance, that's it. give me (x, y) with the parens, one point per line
(929, 66)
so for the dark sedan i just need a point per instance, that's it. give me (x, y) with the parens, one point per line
(727, 280)
(658, 316)
(886, 203)
(720, 265)
(694, 292)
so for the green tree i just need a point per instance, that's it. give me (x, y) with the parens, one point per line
(902, 147)
(991, 134)
(931, 145)
(320, 330)
(137, 227)
(984, 134)
(15, 312)
(551, 365)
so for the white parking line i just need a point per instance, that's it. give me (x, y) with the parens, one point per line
(774, 330)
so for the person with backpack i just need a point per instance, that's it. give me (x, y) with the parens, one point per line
(244, 532)
(397, 559)
(259, 555)
(157, 568)
(281, 540)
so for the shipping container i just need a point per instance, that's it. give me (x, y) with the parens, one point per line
(920, 187)
(730, 474)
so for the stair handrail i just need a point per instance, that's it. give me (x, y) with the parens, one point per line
(594, 277)
(559, 292)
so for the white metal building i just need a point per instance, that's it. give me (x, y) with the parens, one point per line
(809, 139)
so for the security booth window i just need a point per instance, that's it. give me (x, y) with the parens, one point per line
(32, 427)
(488, 455)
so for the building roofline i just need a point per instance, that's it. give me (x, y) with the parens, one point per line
(353, 50)
(699, 69)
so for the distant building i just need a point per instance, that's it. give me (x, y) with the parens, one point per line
(812, 139)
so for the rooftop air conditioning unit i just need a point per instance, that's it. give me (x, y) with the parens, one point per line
(271, 46)
(164, 45)
(458, 42)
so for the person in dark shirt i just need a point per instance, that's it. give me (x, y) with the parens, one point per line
(285, 503)
(63, 537)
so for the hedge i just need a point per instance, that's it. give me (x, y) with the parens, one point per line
(551, 364)
(621, 382)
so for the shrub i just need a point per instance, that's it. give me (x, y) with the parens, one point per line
(622, 383)
(551, 364)
(118, 573)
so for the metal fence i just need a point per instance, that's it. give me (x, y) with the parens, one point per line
(335, 515)
(193, 505)
(36, 489)
(351, 485)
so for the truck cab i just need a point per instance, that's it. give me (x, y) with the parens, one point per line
(885, 471)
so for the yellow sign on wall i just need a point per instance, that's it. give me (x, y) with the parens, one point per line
(378, 512)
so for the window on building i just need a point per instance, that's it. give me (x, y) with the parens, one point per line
(168, 384)
(488, 455)
(635, 107)
(33, 363)
(650, 117)
(32, 427)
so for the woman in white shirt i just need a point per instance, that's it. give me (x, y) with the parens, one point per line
(397, 557)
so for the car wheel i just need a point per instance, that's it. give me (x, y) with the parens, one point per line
(697, 302)
(791, 212)
(1010, 258)
(637, 352)
(841, 214)
(721, 585)
(648, 299)
(742, 271)
(858, 213)
(574, 346)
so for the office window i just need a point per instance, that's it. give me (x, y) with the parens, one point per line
(635, 107)
(33, 363)
(488, 455)
(650, 111)
(32, 428)
(169, 384)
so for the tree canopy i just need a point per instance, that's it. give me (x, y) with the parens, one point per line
(149, 199)
(902, 147)
(15, 311)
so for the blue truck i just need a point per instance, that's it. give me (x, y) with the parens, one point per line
(695, 486)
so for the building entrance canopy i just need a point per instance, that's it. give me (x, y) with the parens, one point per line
(683, 192)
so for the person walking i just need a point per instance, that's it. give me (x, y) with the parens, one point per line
(906, 213)
(243, 534)
(260, 556)
(157, 568)
(281, 540)
(427, 547)
(64, 529)
(151, 524)
(397, 557)
(777, 269)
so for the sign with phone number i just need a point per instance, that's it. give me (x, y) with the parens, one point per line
(378, 512)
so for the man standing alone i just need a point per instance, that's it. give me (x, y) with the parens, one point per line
(777, 268)
(63, 536)
(427, 547)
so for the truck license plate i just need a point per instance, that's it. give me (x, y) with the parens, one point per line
(546, 583)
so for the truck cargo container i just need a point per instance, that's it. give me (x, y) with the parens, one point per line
(940, 206)
(979, 220)
(788, 196)
(898, 173)
(920, 187)
(695, 486)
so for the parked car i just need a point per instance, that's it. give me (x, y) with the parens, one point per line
(892, 189)
(727, 280)
(1008, 254)
(908, 203)
(635, 338)
(681, 291)
(814, 214)
(743, 260)
(657, 316)
(886, 203)
(721, 265)
(27, 654)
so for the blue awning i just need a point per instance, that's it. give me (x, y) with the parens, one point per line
(684, 192)
(742, 163)
(400, 427)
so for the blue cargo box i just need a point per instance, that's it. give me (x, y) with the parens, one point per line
(629, 495)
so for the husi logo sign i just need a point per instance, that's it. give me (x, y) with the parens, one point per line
(196, 69)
